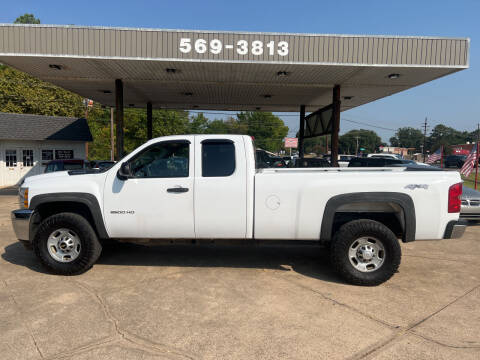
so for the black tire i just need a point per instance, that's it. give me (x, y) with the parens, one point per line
(90, 246)
(346, 236)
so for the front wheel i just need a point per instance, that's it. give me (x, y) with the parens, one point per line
(365, 252)
(66, 244)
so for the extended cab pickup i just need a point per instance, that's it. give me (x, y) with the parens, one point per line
(208, 187)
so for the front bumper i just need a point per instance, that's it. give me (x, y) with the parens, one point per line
(21, 223)
(455, 229)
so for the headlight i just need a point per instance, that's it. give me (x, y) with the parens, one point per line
(23, 197)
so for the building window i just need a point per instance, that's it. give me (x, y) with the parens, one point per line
(63, 154)
(27, 157)
(11, 158)
(218, 158)
(47, 155)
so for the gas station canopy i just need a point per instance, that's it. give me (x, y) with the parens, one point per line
(182, 69)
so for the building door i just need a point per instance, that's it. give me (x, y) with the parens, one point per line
(11, 172)
(26, 162)
(19, 163)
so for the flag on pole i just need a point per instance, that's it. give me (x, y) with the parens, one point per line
(437, 155)
(469, 163)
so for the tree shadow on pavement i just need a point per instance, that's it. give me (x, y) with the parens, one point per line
(311, 261)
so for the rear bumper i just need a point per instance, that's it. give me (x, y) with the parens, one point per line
(467, 216)
(455, 229)
(21, 223)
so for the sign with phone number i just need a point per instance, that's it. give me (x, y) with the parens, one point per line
(241, 47)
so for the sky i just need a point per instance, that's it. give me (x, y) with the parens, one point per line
(452, 100)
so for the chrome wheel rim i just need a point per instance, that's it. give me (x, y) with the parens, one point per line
(64, 245)
(366, 254)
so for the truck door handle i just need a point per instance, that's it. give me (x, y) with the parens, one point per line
(177, 189)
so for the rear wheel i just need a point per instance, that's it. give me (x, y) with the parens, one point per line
(365, 252)
(66, 244)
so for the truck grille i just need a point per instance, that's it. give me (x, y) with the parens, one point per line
(471, 202)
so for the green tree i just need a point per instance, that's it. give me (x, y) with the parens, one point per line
(27, 19)
(198, 124)
(447, 136)
(367, 139)
(407, 137)
(317, 145)
(267, 129)
(217, 127)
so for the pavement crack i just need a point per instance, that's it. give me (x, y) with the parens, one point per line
(12, 299)
(82, 349)
(410, 329)
(103, 305)
(442, 308)
(157, 348)
(128, 337)
(426, 338)
(336, 302)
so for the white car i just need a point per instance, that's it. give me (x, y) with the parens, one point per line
(385, 155)
(206, 187)
(344, 160)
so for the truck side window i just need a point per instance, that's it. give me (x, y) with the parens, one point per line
(163, 160)
(218, 158)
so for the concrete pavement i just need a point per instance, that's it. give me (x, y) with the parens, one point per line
(201, 302)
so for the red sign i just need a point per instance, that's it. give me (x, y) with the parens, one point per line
(291, 142)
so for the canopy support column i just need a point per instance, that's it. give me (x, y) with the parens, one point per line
(149, 121)
(119, 116)
(301, 132)
(335, 125)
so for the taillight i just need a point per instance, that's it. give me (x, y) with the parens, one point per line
(454, 198)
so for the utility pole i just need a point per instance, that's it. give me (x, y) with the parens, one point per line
(356, 149)
(112, 145)
(476, 156)
(424, 138)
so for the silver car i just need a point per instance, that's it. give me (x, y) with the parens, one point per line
(470, 209)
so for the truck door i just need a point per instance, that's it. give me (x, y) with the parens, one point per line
(220, 187)
(157, 201)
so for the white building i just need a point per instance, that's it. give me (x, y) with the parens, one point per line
(29, 142)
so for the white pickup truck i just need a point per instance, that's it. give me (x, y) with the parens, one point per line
(207, 187)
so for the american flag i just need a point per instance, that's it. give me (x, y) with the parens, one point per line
(437, 155)
(469, 163)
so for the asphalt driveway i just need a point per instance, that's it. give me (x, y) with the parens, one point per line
(201, 302)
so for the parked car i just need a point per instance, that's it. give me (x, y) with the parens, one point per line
(311, 163)
(287, 159)
(267, 159)
(101, 164)
(456, 161)
(206, 187)
(344, 160)
(385, 156)
(62, 165)
(470, 204)
(379, 162)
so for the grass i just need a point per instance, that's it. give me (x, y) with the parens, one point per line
(470, 181)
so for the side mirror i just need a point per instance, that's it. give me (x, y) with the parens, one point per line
(124, 172)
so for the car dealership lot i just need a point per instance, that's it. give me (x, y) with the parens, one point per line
(201, 302)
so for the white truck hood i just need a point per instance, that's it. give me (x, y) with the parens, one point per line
(56, 174)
